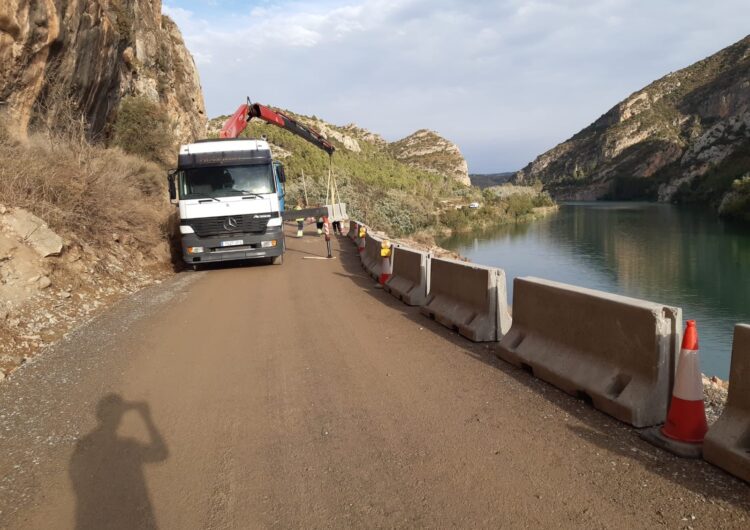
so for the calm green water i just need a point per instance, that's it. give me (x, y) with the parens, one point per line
(667, 254)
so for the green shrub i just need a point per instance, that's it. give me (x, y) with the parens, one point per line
(519, 204)
(542, 200)
(143, 128)
(456, 220)
(736, 204)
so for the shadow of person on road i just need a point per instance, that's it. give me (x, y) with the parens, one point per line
(107, 470)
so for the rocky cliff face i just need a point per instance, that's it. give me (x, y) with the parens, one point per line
(685, 136)
(429, 151)
(64, 57)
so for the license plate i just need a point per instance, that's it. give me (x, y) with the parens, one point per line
(233, 243)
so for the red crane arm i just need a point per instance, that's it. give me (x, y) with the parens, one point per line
(238, 121)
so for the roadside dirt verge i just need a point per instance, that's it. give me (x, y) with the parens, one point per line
(43, 297)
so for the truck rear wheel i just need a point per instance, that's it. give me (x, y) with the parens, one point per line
(277, 260)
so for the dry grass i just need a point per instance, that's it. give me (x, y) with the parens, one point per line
(111, 209)
(84, 192)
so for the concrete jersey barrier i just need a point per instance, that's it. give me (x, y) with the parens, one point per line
(469, 298)
(618, 352)
(371, 255)
(727, 443)
(410, 279)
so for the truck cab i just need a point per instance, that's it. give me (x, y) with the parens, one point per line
(230, 194)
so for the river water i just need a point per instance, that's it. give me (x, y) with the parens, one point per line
(673, 255)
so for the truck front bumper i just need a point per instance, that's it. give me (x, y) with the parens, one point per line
(250, 248)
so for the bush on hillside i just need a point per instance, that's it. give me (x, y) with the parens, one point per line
(143, 128)
(736, 203)
(378, 189)
(519, 205)
(391, 210)
(543, 199)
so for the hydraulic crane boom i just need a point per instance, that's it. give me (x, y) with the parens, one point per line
(238, 121)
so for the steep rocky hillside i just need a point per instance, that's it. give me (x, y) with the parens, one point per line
(683, 138)
(429, 151)
(388, 193)
(90, 54)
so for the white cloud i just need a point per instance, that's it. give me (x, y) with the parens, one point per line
(504, 79)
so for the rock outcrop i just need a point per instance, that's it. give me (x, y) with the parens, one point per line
(684, 137)
(24, 241)
(31, 231)
(330, 133)
(429, 151)
(364, 135)
(65, 57)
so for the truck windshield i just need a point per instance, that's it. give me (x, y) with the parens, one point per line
(230, 181)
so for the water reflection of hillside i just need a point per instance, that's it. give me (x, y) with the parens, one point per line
(461, 240)
(645, 248)
(677, 256)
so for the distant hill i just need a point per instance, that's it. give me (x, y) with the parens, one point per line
(683, 138)
(487, 180)
(429, 151)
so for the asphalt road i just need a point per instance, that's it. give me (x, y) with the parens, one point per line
(303, 396)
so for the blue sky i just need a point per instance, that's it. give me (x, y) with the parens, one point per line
(505, 80)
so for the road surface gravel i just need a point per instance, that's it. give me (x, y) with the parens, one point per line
(303, 396)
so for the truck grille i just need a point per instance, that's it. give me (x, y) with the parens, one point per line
(213, 226)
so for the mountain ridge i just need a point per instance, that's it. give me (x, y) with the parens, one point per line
(682, 138)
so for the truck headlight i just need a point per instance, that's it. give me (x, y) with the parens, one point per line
(276, 221)
(195, 250)
(186, 229)
(267, 244)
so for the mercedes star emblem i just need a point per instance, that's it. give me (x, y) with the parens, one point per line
(230, 223)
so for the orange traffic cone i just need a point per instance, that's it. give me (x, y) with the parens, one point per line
(686, 420)
(686, 425)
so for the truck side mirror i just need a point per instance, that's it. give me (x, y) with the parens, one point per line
(172, 186)
(282, 175)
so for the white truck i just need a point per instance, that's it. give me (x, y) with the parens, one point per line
(230, 192)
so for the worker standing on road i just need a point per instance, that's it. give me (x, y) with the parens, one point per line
(328, 237)
(300, 220)
(319, 222)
